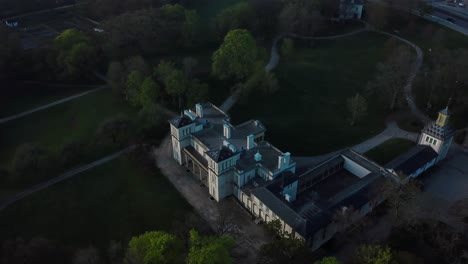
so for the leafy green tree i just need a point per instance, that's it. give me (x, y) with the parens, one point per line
(173, 79)
(357, 108)
(237, 16)
(287, 48)
(328, 260)
(260, 81)
(285, 250)
(236, 57)
(133, 87)
(190, 28)
(149, 92)
(209, 250)
(189, 64)
(275, 227)
(154, 247)
(197, 92)
(75, 53)
(374, 254)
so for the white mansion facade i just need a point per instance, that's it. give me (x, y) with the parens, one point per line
(235, 160)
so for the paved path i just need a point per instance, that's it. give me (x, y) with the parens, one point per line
(67, 175)
(40, 108)
(230, 101)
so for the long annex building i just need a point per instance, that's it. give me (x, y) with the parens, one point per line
(235, 160)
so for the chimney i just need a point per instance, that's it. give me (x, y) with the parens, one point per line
(258, 156)
(199, 110)
(250, 142)
(227, 131)
(284, 160)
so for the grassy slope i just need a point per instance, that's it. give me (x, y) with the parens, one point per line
(114, 201)
(52, 128)
(389, 150)
(308, 115)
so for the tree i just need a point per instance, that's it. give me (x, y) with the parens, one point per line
(133, 87)
(237, 16)
(191, 28)
(392, 76)
(88, 255)
(189, 64)
(328, 260)
(373, 254)
(285, 250)
(287, 48)
(209, 250)
(154, 247)
(149, 92)
(357, 107)
(29, 160)
(197, 92)
(301, 16)
(377, 15)
(117, 129)
(236, 57)
(37, 250)
(173, 79)
(260, 81)
(75, 53)
(401, 196)
(115, 75)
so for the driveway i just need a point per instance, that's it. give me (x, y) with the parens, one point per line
(449, 179)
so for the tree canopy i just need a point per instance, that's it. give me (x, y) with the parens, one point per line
(209, 250)
(236, 57)
(154, 247)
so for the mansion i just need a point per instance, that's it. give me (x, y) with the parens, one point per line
(235, 160)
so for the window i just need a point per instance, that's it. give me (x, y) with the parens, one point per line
(435, 142)
(427, 139)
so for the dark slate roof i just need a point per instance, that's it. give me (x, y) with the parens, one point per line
(220, 154)
(281, 181)
(278, 206)
(437, 131)
(269, 159)
(412, 160)
(181, 121)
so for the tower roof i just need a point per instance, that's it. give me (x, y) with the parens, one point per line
(440, 132)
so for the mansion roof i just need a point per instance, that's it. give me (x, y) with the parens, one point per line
(415, 158)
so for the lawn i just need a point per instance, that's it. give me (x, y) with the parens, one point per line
(29, 96)
(389, 150)
(74, 121)
(114, 201)
(308, 115)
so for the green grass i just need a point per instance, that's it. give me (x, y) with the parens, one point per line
(308, 115)
(389, 150)
(114, 201)
(34, 96)
(75, 121)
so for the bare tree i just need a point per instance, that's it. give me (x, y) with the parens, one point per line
(392, 77)
(357, 107)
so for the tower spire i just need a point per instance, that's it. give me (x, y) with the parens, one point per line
(448, 103)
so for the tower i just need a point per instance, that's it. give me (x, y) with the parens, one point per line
(438, 134)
